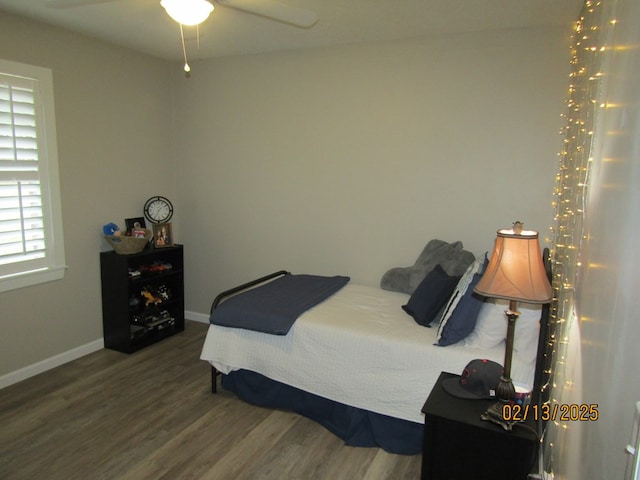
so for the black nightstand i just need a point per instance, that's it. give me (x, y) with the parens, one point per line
(458, 444)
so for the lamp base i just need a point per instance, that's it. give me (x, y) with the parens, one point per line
(495, 414)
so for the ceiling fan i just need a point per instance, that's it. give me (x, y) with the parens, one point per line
(271, 9)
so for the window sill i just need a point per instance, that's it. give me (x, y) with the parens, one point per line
(34, 277)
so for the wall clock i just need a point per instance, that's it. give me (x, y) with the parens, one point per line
(158, 209)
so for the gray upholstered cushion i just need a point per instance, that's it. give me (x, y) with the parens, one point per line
(450, 256)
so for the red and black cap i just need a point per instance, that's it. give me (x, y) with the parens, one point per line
(478, 380)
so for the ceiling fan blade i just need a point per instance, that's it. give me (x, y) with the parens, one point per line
(275, 10)
(73, 3)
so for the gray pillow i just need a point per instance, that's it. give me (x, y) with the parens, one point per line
(451, 256)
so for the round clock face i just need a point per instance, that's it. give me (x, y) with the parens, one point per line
(158, 209)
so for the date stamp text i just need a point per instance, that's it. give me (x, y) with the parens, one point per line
(563, 412)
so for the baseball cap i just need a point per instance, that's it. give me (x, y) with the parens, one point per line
(478, 380)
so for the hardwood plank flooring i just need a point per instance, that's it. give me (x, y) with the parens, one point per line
(150, 415)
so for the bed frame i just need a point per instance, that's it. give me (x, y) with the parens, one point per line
(229, 293)
(290, 398)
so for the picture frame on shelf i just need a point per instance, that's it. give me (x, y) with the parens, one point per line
(133, 224)
(162, 235)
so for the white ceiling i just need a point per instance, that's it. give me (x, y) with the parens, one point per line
(144, 26)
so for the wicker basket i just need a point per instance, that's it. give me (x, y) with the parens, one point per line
(128, 245)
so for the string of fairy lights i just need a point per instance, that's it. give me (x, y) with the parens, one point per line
(584, 102)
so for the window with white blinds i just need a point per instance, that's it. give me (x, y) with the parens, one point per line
(31, 244)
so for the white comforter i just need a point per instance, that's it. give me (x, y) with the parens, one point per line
(358, 348)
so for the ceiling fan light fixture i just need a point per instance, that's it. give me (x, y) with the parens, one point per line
(188, 12)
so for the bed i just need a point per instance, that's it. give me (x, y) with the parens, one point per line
(358, 363)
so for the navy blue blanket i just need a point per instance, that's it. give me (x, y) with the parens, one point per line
(274, 307)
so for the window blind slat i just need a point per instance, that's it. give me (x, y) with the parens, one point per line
(21, 257)
(20, 205)
(31, 243)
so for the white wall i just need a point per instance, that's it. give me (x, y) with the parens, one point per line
(347, 160)
(113, 119)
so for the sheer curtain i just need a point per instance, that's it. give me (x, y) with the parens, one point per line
(596, 267)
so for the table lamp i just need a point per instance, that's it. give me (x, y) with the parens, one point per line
(516, 273)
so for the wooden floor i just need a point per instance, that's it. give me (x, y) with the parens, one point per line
(150, 415)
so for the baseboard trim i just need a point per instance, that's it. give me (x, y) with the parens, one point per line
(64, 357)
(51, 362)
(196, 317)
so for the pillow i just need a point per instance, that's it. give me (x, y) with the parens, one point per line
(525, 338)
(461, 312)
(491, 328)
(450, 256)
(461, 322)
(430, 296)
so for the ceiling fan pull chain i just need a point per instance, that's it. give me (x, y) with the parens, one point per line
(187, 68)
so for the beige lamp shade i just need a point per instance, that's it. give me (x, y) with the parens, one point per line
(515, 270)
